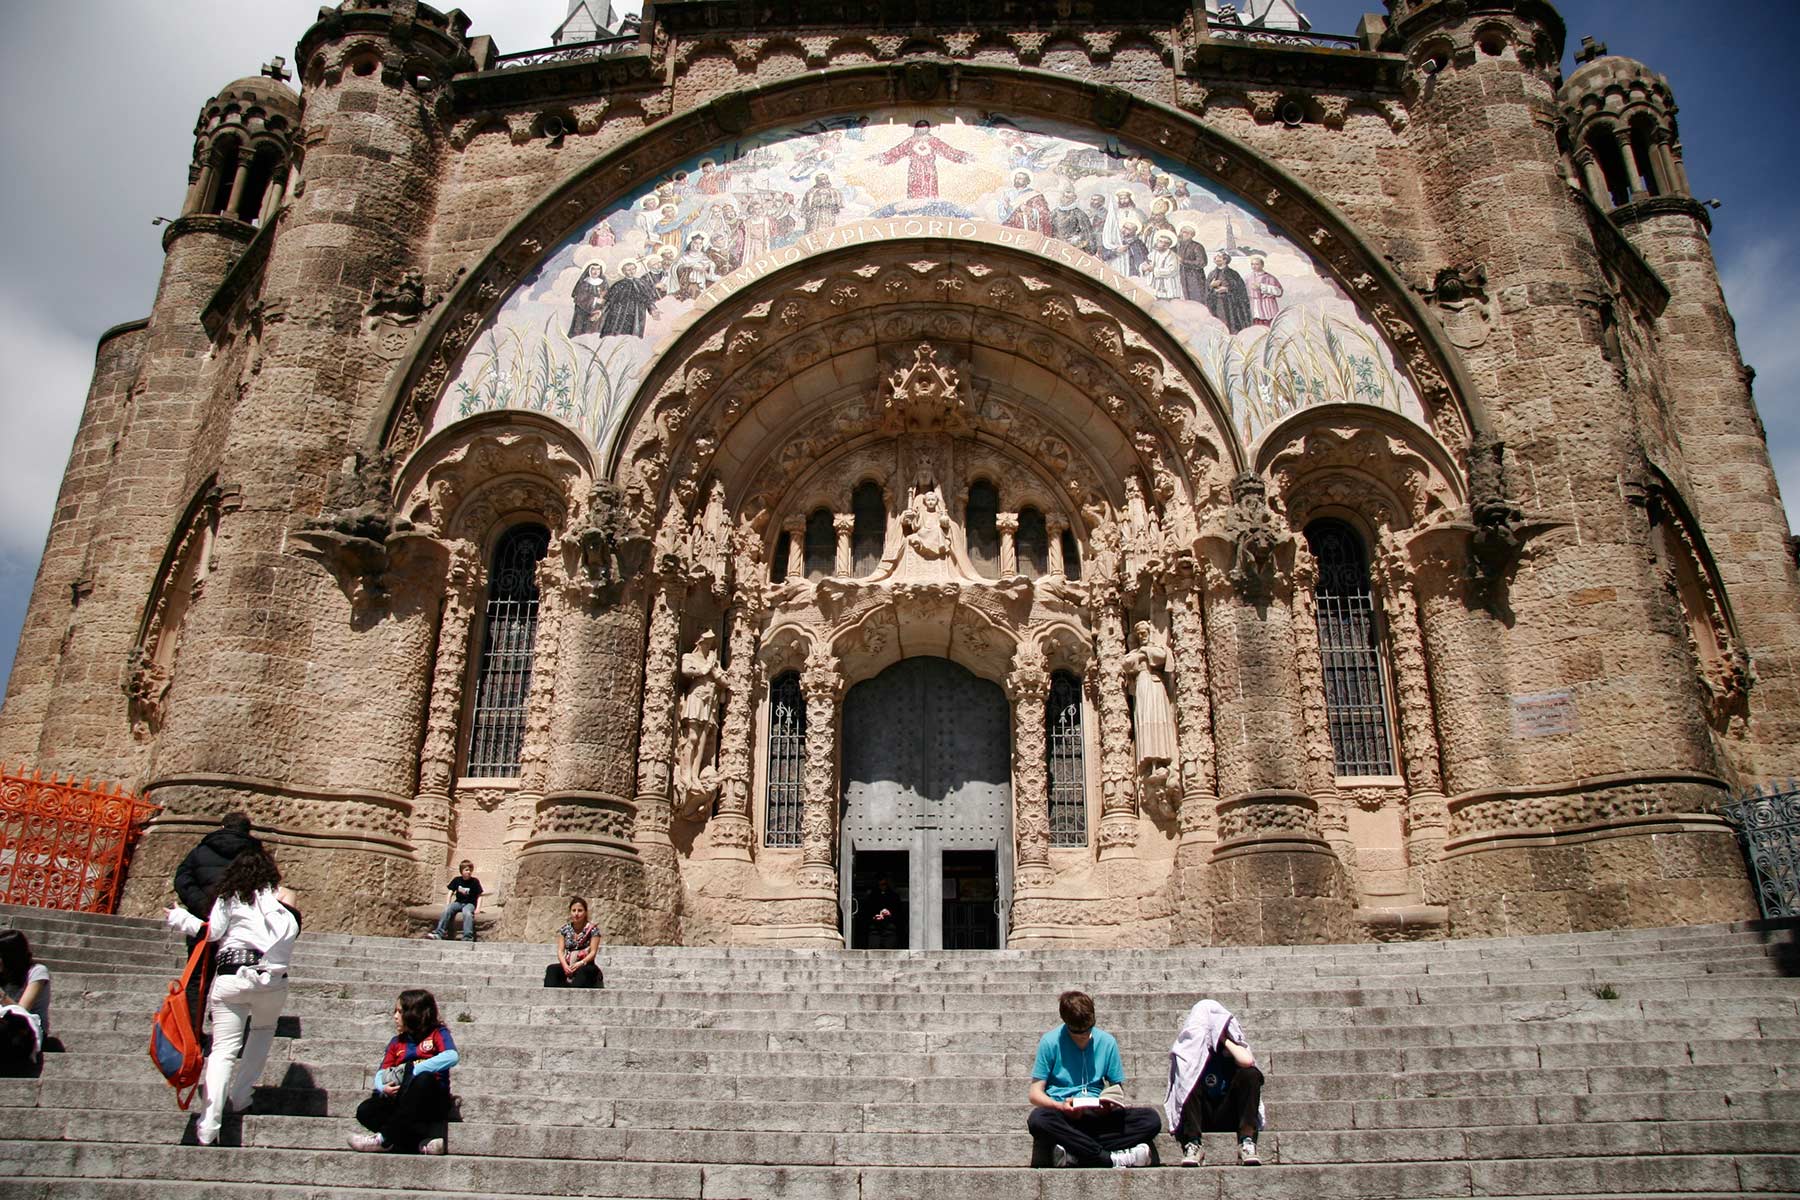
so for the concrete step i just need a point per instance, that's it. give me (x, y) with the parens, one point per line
(1645, 1175)
(1439, 1144)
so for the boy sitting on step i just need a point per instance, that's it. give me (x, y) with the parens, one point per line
(1077, 1096)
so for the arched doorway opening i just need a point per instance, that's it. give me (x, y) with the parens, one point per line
(927, 802)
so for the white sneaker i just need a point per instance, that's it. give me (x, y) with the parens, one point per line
(433, 1146)
(1060, 1156)
(1192, 1154)
(1247, 1153)
(435, 936)
(205, 1136)
(368, 1143)
(1132, 1156)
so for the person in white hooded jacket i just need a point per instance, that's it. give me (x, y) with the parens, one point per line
(1215, 1085)
(253, 925)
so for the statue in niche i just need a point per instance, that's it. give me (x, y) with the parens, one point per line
(1153, 717)
(696, 778)
(710, 537)
(1143, 530)
(926, 524)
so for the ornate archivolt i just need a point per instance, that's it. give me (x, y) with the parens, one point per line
(150, 667)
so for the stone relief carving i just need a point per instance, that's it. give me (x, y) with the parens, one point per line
(1499, 521)
(1461, 301)
(1256, 535)
(696, 775)
(926, 524)
(1153, 720)
(1146, 547)
(924, 395)
(605, 547)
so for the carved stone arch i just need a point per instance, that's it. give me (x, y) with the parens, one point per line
(1434, 369)
(1072, 335)
(1365, 460)
(445, 479)
(1692, 577)
(1066, 646)
(150, 666)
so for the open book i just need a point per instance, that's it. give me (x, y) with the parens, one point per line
(1112, 1097)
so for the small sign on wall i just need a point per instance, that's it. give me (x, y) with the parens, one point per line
(1545, 714)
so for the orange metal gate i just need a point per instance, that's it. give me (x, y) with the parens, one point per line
(66, 845)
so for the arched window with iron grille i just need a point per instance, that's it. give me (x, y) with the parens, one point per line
(497, 726)
(1350, 652)
(1068, 763)
(787, 761)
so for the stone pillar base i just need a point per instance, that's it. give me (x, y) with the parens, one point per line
(1630, 872)
(803, 918)
(1280, 891)
(347, 879)
(609, 878)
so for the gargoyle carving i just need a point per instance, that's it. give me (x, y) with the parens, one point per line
(362, 539)
(1499, 534)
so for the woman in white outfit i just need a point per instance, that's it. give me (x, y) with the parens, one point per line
(254, 927)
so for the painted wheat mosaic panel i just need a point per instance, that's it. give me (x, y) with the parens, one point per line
(1270, 329)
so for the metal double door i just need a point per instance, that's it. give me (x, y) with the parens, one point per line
(927, 770)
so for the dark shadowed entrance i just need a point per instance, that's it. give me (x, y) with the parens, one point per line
(927, 803)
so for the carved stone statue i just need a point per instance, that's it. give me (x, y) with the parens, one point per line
(1143, 531)
(696, 777)
(1498, 538)
(926, 524)
(710, 538)
(1153, 717)
(1255, 538)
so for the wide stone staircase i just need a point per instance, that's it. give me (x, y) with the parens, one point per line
(1645, 1062)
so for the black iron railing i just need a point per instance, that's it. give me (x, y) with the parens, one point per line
(1768, 823)
(574, 52)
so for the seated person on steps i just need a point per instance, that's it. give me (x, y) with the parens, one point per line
(465, 894)
(1215, 1085)
(1077, 1095)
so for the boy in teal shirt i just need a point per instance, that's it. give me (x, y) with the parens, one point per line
(1075, 1064)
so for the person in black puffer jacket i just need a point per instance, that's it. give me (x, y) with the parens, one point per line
(199, 872)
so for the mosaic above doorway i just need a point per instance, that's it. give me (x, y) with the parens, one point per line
(1271, 330)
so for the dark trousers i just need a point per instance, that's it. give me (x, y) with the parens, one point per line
(1234, 1112)
(1093, 1136)
(405, 1119)
(587, 975)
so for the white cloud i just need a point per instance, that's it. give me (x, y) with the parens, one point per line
(1758, 284)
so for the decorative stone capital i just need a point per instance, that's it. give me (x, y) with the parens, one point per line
(820, 678)
(605, 547)
(1029, 678)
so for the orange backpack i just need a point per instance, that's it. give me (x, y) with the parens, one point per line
(175, 1032)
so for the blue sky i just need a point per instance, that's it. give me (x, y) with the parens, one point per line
(97, 147)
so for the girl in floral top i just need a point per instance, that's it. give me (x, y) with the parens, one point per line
(576, 945)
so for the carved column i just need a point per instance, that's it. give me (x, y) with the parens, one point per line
(656, 733)
(534, 747)
(1320, 770)
(1118, 796)
(1053, 530)
(244, 158)
(1427, 811)
(732, 831)
(1008, 525)
(1029, 685)
(1632, 174)
(430, 833)
(1199, 818)
(843, 525)
(1596, 181)
(796, 562)
(821, 684)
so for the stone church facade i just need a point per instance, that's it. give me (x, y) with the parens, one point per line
(1125, 474)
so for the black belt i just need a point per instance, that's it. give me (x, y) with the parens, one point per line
(231, 960)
